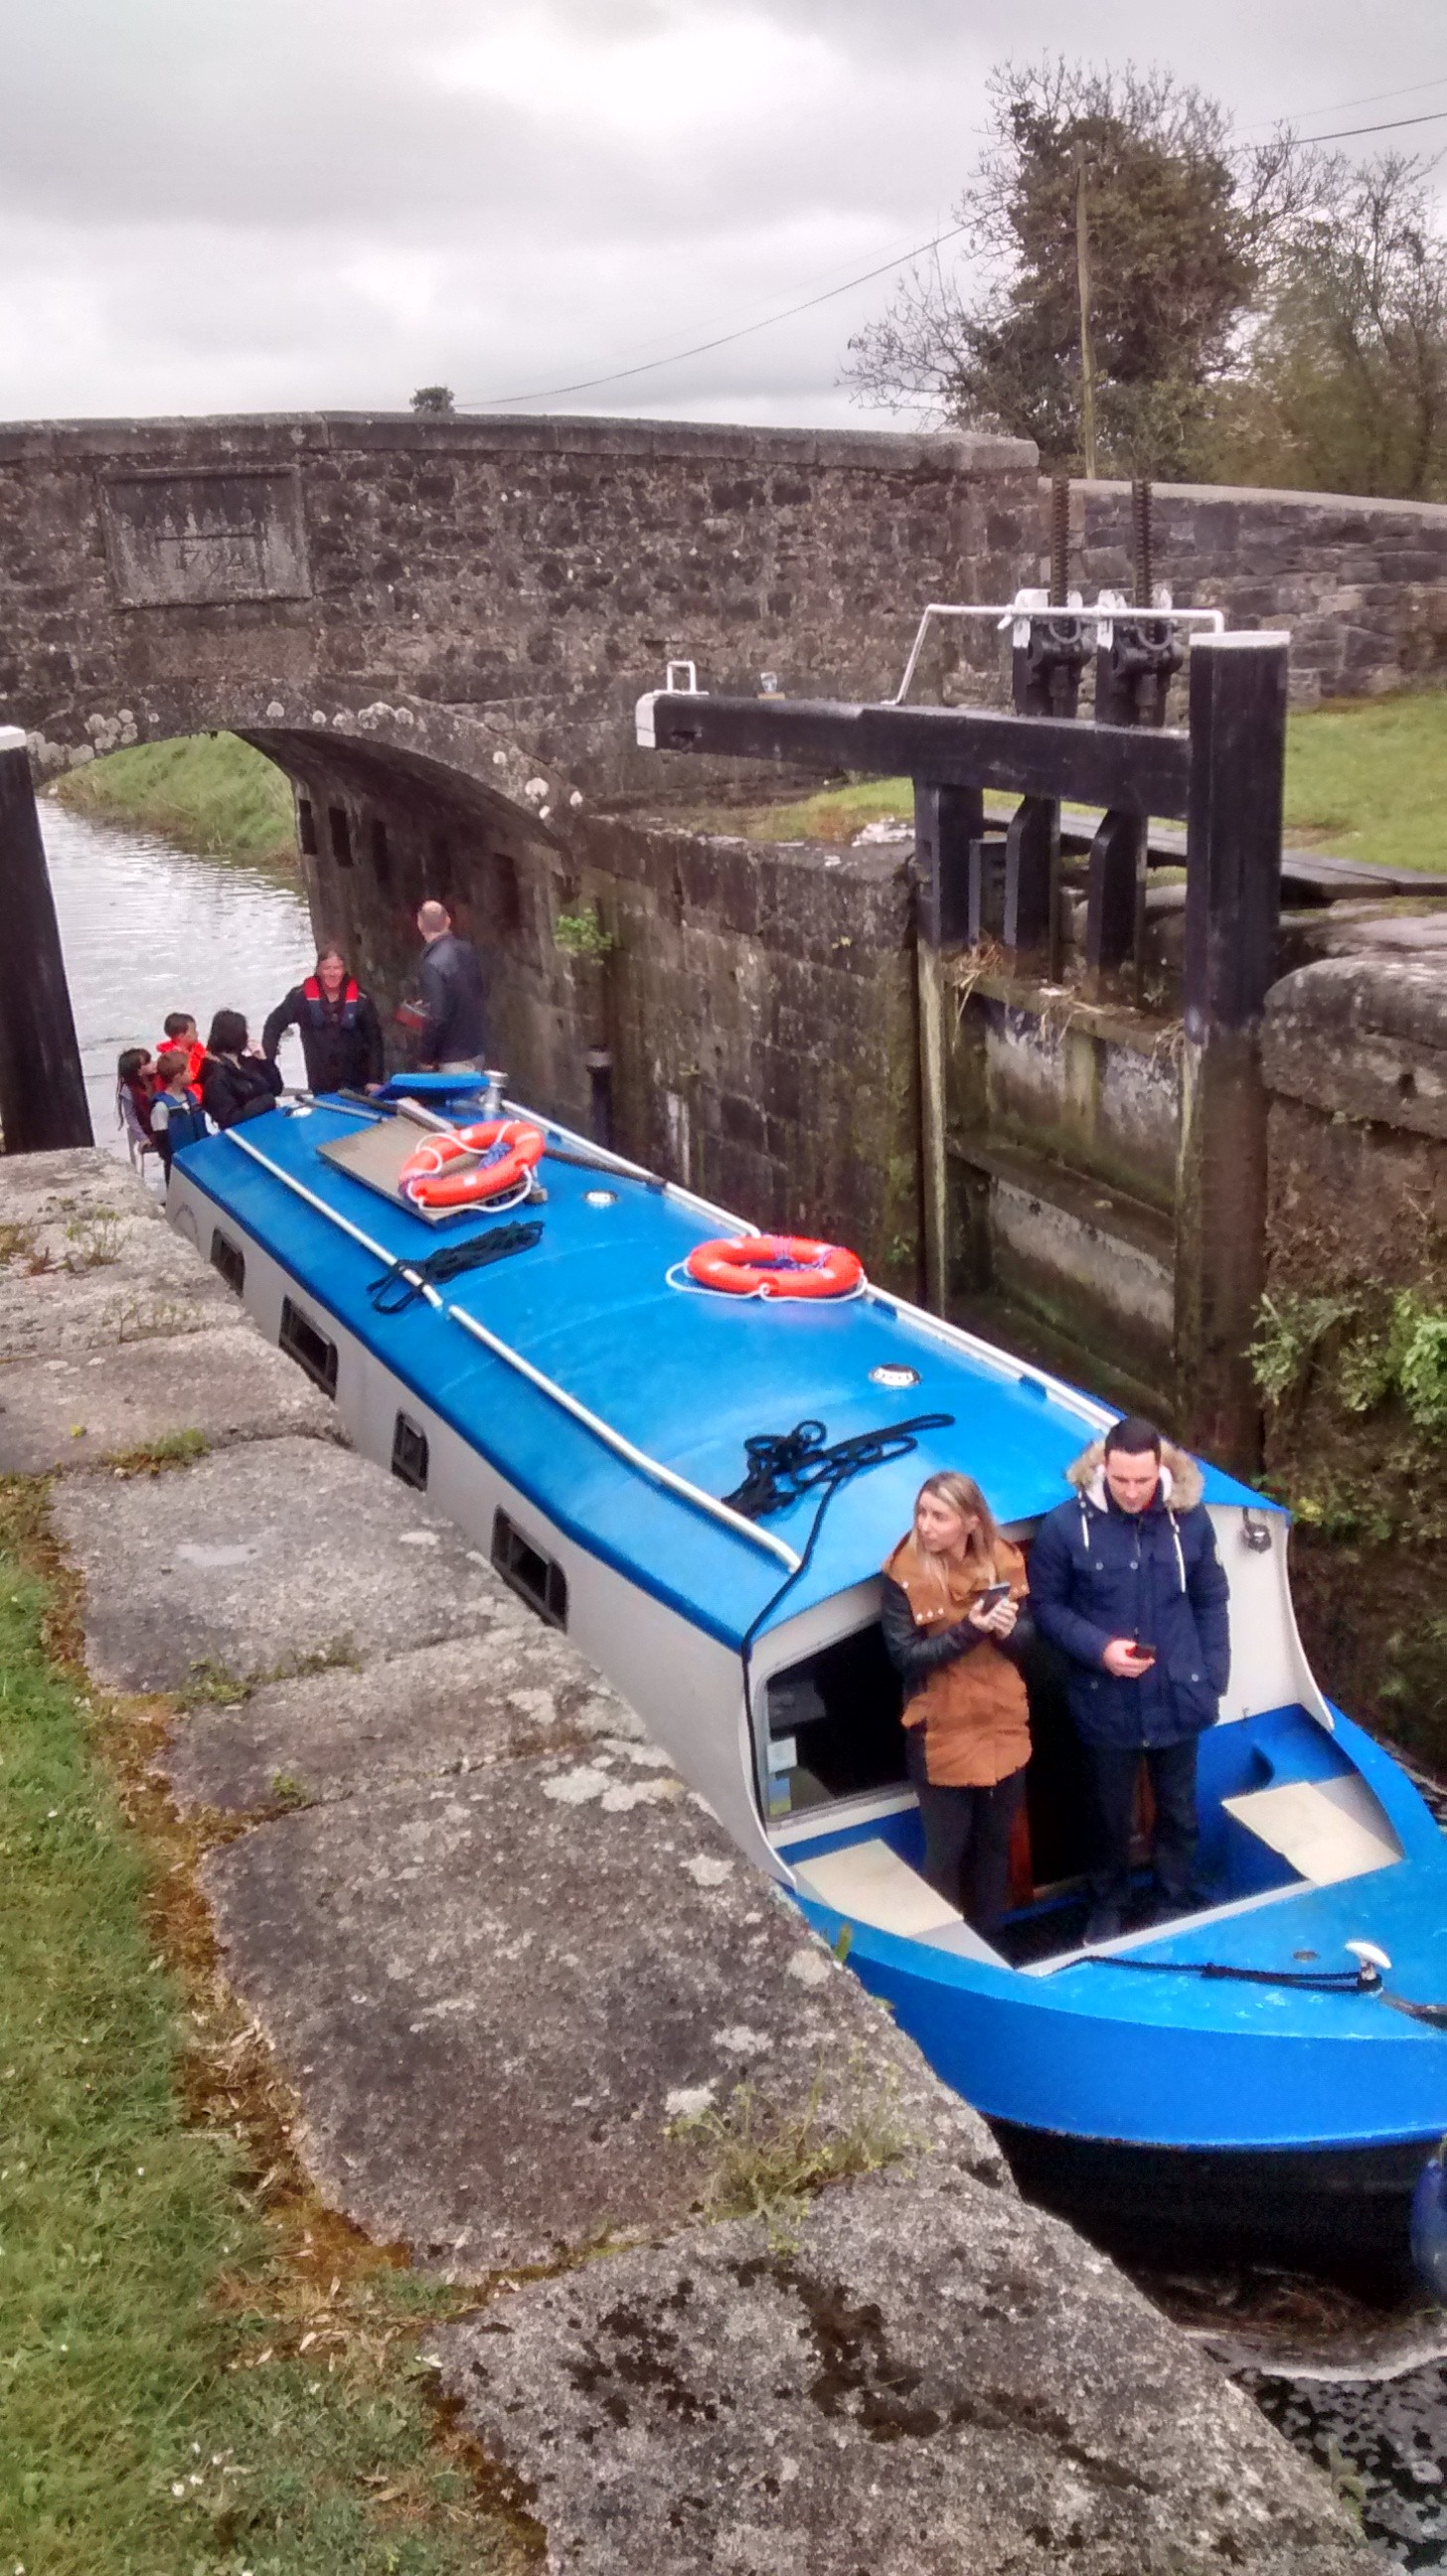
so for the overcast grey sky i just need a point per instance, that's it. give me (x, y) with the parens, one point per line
(217, 205)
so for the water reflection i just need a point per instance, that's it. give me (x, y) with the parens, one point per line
(148, 929)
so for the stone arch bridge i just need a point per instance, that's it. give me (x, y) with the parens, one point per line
(438, 629)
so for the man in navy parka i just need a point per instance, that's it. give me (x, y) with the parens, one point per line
(1126, 1581)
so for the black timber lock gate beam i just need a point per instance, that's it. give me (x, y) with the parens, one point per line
(1222, 777)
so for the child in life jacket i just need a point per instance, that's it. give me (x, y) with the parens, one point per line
(135, 1084)
(181, 1031)
(176, 1118)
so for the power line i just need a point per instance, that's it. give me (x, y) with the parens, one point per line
(1434, 116)
(727, 339)
(1332, 107)
(620, 375)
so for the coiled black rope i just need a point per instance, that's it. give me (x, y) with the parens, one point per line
(785, 1464)
(406, 1281)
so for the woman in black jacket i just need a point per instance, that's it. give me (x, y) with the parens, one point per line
(341, 1035)
(236, 1083)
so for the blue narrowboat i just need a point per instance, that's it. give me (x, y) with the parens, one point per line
(1269, 2069)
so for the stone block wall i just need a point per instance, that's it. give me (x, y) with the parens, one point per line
(167, 576)
(1360, 584)
(1355, 1058)
(754, 1003)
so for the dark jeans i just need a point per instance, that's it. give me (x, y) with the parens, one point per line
(966, 1838)
(1113, 1772)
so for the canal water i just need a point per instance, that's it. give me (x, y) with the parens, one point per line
(149, 929)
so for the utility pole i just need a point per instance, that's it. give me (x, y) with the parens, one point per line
(1082, 279)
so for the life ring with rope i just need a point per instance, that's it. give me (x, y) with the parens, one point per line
(471, 1165)
(775, 1265)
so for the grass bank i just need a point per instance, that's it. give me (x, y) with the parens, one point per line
(202, 2372)
(1365, 779)
(210, 792)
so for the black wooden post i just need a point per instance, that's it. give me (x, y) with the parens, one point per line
(1233, 905)
(946, 821)
(42, 1090)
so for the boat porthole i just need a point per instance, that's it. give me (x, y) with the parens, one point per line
(600, 1198)
(892, 1373)
(1306, 1954)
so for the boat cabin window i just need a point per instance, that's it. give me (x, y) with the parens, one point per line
(310, 1349)
(834, 1726)
(229, 1259)
(537, 1579)
(409, 1452)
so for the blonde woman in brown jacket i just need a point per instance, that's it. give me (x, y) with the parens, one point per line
(966, 1715)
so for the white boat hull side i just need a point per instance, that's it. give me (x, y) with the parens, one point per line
(686, 1687)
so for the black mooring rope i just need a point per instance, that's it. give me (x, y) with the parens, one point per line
(785, 1464)
(406, 1281)
(1332, 1981)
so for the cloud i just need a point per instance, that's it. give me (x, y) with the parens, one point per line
(265, 203)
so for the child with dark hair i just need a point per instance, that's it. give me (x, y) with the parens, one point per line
(236, 1083)
(134, 1091)
(177, 1118)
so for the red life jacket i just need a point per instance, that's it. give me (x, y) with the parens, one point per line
(317, 1004)
(195, 1058)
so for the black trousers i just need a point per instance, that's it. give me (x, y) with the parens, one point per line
(966, 1838)
(1113, 1772)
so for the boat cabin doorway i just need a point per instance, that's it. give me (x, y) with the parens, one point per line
(834, 1754)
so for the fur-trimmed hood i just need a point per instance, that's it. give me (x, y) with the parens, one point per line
(1180, 1487)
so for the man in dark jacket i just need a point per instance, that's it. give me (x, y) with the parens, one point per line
(1126, 1581)
(341, 1036)
(451, 1036)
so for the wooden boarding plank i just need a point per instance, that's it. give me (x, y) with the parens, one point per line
(1328, 1830)
(869, 1882)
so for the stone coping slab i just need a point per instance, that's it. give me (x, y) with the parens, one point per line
(116, 1273)
(1363, 1035)
(224, 1382)
(922, 2378)
(259, 1559)
(514, 1689)
(496, 1995)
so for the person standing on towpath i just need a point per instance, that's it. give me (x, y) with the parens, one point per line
(1126, 1581)
(450, 1038)
(341, 1035)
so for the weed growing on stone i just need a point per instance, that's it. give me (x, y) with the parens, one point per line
(288, 1791)
(203, 2369)
(93, 1241)
(154, 1457)
(581, 934)
(141, 1319)
(19, 1245)
(764, 2160)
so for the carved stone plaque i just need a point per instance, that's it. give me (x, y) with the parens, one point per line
(200, 539)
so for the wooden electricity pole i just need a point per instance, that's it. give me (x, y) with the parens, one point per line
(1082, 280)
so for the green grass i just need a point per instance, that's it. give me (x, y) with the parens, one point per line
(1365, 779)
(161, 2418)
(210, 792)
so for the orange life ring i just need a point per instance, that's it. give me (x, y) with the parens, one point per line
(775, 1265)
(509, 1147)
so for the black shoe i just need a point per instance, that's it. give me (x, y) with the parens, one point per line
(1103, 1923)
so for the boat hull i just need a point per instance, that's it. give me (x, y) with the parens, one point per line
(1340, 2210)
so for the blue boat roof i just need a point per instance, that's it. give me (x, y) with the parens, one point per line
(683, 1374)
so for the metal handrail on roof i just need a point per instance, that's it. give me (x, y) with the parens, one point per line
(617, 1441)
